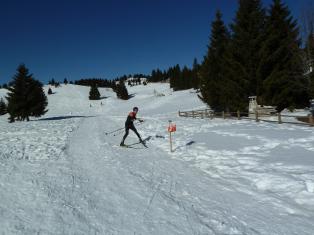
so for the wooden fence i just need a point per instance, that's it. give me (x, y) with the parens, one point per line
(277, 118)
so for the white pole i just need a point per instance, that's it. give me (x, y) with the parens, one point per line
(170, 137)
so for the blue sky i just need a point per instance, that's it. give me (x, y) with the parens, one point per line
(76, 39)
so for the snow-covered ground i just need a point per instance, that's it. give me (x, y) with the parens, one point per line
(61, 173)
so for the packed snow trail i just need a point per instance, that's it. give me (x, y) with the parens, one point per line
(125, 191)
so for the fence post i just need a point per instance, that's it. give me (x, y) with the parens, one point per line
(256, 116)
(223, 114)
(193, 114)
(212, 115)
(238, 113)
(170, 137)
(311, 117)
(179, 114)
(279, 118)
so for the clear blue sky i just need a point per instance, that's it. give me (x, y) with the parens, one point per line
(107, 38)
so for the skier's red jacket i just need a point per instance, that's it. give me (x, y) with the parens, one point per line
(130, 119)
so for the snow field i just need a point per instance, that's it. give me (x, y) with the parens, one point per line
(245, 152)
(61, 174)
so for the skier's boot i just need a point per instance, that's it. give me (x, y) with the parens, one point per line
(122, 144)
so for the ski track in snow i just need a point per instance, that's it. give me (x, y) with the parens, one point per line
(62, 175)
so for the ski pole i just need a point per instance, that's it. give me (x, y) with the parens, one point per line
(120, 129)
(118, 132)
(111, 132)
(139, 123)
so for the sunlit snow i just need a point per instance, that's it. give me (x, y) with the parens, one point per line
(61, 173)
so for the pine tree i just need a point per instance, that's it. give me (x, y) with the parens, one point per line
(184, 79)
(52, 82)
(49, 91)
(175, 74)
(26, 96)
(36, 100)
(3, 107)
(121, 91)
(65, 81)
(195, 74)
(282, 65)
(242, 56)
(213, 84)
(309, 51)
(94, 93)
(311, 85)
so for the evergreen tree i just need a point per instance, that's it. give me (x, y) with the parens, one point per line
(52, 82)
(175, 74)
(5, 86)
(122, 92)
(309, 51)
(195, 74)
(311, 85)
(309, 34)
(65, 81)
(3, 107)
(49, 91)
(185, 81)
(139, 81)
(242, 57)
(213, 85)
(26, 96)
(282, 66)
(36, 99)
(94, 93)
(57, 84)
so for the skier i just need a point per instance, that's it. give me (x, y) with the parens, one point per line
(130, 125)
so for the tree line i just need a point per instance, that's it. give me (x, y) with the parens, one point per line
(179, 78)
(261, 56)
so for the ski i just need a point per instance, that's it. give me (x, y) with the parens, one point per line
(131, 147)
(128, 147)
(136, 143)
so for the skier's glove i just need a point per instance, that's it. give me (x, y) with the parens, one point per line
(141, 120)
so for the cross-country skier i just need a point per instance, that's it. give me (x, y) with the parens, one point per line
(130, 125)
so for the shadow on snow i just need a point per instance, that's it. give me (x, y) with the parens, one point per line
(187, 144)
(62, 118)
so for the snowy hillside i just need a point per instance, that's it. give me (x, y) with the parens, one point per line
(61, 173)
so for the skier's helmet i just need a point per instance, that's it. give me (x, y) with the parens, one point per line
(135, 109)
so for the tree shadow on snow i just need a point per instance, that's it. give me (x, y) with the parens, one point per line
(132, 96)
(62, 118)
(187, 144)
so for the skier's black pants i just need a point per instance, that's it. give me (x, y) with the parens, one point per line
(127, 128)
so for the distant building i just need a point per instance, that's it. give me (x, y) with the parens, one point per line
(261, 110)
